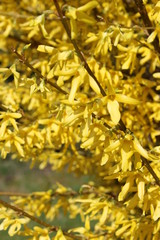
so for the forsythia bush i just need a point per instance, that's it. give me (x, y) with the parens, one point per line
(80, 88)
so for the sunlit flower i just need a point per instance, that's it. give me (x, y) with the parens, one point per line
(8, 119)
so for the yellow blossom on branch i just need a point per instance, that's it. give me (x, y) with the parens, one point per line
(8, 119)
(79, 91)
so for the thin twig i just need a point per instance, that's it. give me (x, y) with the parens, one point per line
(150, 169)
(12, 14)
(36, 71)
(17, 38)
(25, 214)
(37, 220)
(71, 193)
(10, 194)
(144, 15)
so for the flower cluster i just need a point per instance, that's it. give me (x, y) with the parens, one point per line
(79, 87)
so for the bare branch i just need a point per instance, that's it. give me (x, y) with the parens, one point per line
(148, 24)
(25, 214)
(150, 169)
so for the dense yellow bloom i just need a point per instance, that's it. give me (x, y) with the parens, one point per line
(14, 225)
(79, 89)
(7, 119)
(79, 14)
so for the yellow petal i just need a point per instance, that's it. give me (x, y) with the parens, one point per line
(75, 85)
(156, 75)
(71, 13)
(13, 122)
(88, 6)
(122, 230)
(66, 72)
(152, 36)
(80, 230)
(83, 17)
(110, 89)
(46, 49)
(113, 109)
(125, 189)
(74, 30)
(19, 148)
(16, 74)
(104, 159)
(156, 214)
(60, 236)
(122, 48)
(26, 46)
(15, 115)
(87, 223)
(4, 225)
(44, 31)
(104, 215)
(3, 128)
(137, 161)
(6, 73)
(65, 55)
(140, 149)
(14, 228)
(126, 154)
(88, 142)
(51, 73)
(128, 62)
(94, 85)
(125, 99)
(20, 140)
(112, 146)
(141, 188)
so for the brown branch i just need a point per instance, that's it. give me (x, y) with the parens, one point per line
(129, 6)
(37, 220)
(25, 214)
(10, 194)
(70, 193)
(36, 71)
(148, 24)
(17, 38)
(150, 169)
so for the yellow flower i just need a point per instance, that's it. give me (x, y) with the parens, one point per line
(47, 49)
(60, 236)
(10, 139)
(33, 136)
(80, 14)
(126, 153)
(129, 56)
(41, 233)
(112, 100)
(15, 225)
(7, 120)
(138, 147)
(7, 72)
(126, 188)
